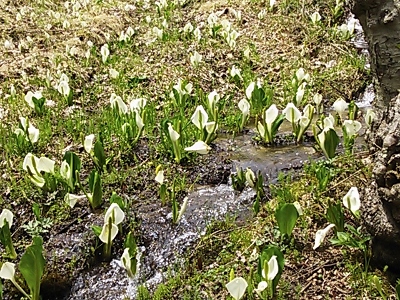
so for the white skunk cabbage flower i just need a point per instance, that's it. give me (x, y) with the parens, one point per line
(292, 113)
(6, 215)
(351, 127)
(199, 147)
(105, 52)
(88, 143)
(369, 117)
(199, 117)
(116, 101)
(237, 287)
(106, 230)
(250, 177)
(160, 177)
(244, 107)
(115, 213)
(340, 106)
(7, 271)
(352, 200)
(29, 95)
(321, 234)
(273, 268)
(195, 58)
(71, 199)
(315, 17)
(174, 136)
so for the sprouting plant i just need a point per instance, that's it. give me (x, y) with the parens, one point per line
(38, 226)
(200, 120)
(69, 170)
(171, 138)
(34, 166)
(244, 107)
(270, 124)
(259, 95)
(369, 117)
(128, 258)
(31, 267)
(327, 139)
(113, 217)
(239, 179)
(6, 221)
(315, 17)
(26, 134)
(353, 110)
(96, 152)
(300, 122)
(176, 212)
(35, 101)
(163, 188)
(350, 129)
(270, 267)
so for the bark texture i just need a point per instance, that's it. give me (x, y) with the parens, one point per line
(381, 208)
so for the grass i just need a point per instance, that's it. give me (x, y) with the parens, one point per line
(44, 46)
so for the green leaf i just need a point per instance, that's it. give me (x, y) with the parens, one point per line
(97, 230)
(5, 239)
(398, 291)
(331, 142)
(95, 189)
(335, 216)
(117, 199)
(99, 156)
(32, 265)
(286, 216)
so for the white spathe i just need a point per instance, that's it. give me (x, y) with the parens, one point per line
(340, 106)
(270, 116)
(199, 147)
(199, 117)
(351, 127)
(369, 117)
(321, 234)
(244, 107)
(7, 271)
(292, 113)
(6, 215)
(117, 102)
(71, 199)
(174, 136)
(88, 143)
(273, 268)
(352, 200)
(115, 213)
(237, 287)
(160, 177)
(106, 231)
(250, 89)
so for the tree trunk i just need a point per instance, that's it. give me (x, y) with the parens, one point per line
(380, 20)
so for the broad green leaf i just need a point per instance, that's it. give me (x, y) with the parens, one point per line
(286, 216)
(95, 189)
(331, 142)
(32, 265)
(97, 230)
(100, 158)
(335, 216)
